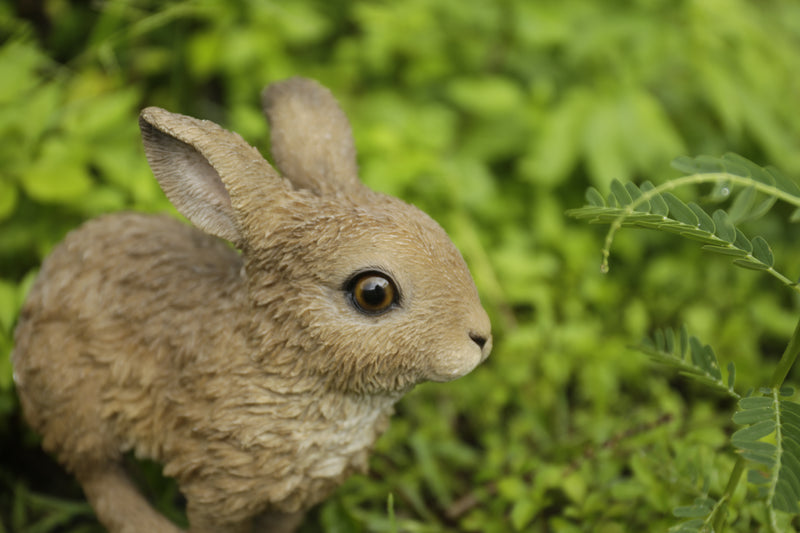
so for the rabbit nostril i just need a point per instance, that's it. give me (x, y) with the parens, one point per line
(478, 339)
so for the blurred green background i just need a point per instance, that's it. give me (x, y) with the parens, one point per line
(493, 116)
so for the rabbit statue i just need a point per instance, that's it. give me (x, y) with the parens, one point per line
(260, 374)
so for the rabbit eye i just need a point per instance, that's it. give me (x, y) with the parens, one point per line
(372, 293)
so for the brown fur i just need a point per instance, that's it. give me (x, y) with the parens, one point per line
(248, 374)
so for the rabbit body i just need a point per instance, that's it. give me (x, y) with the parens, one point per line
(254, 376)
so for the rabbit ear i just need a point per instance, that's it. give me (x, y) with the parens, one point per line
(206, 171)
(311, 138)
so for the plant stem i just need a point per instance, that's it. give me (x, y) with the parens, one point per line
(787, 359)
(721, 512)
(781, 371)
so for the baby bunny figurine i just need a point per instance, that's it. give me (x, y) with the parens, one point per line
(259, 378)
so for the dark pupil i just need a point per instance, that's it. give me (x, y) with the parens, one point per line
(373, 292)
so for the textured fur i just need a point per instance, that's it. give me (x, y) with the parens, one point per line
(250, 375)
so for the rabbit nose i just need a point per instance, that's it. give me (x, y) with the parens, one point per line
(484, 342)
(478, 339)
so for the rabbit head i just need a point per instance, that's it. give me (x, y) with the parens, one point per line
(361, 290)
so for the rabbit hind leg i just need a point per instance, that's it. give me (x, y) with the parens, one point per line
(119, 505)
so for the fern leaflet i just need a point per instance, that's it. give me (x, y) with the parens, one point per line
(772, 440)
(690, 357)
(700, 515)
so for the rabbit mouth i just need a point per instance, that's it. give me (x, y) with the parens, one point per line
(461, 362)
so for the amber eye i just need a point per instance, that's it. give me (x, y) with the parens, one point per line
(372, 292)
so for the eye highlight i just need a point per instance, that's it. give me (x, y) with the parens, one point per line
(372, 292)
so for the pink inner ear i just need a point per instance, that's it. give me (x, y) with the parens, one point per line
(205, 182)
(190, 182)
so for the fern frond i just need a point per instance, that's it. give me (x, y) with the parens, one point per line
(690, 357)
(700, 515)
(772, 440)
(767, 179)
(648, 206)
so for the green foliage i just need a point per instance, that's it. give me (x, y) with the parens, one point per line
(492, 116)
(779, 418)
(36, 513)
(771, 416)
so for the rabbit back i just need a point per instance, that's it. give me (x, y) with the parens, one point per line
(123, 312)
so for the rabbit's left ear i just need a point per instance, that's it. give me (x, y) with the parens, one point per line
(312, 143)
(211, 175)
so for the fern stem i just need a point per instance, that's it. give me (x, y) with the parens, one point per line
(721, 511)
(781, 371)
(787, 359)
(773, 484)
(694, 179)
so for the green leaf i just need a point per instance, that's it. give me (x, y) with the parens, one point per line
(556, 149)
(8, 198)
(621, 193)
(762, 251)
(684, 340)
(702, 507)
(691, 512)
(750, 264)
(486, 95)
(782, 182)
(751, 434)
(18, 64)
(721, 190)
(704, 358)
(593, 197)
(725, 229)
(761, 209)
(679, 210)
(636, 194)
(657, 204)
(751, 416)
(604, 147)
(701, 164)
(684, 164)
(59, 175)
(755, 402)
(742, 204)
(742, 242)
(705, 222)
(725, 250)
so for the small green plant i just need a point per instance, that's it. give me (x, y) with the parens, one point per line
(769, 441)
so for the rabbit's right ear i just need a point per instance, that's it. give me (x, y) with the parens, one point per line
(208, 173)
(312, 142)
